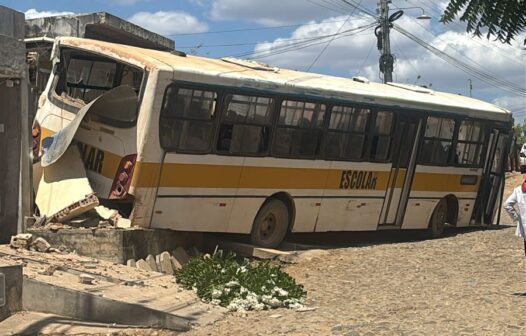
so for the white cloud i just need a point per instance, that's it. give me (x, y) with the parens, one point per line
(34, 14)
(353, 55)
(271, 13)
(169, 22)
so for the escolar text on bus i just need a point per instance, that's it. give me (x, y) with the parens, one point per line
(357, 179)
(92, 157)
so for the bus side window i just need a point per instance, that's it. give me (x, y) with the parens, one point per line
(299, 129)
(381, 136)
(245, 125)
(470, 143)
(346, 133)
(438, 139)
(187, 120)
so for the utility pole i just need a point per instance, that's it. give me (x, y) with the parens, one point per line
(386, 60)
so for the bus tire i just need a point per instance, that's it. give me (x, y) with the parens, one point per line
(271, 224)
(438, 220)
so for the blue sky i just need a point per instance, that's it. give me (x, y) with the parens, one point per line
(326, 36)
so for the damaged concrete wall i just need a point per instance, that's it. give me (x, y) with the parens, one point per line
(100, 26)
(14, 134)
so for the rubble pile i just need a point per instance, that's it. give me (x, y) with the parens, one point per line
(25, 241)
(165, 262)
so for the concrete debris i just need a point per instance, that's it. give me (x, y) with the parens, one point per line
(41, 245)
(123, 223)
(131, 263)
(86, 279)
(194, 252)
(49, 271)
(142, 264)
(150, 259)
(21, 240)
(166, 263)
(110, 215)
(175, 263)
(180, 254)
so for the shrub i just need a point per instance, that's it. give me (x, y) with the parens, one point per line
(240, 286)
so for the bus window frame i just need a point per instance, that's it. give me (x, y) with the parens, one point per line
(320, 131)
(62, 103)
(371, 133)
(223, 96)
(215, 120)
(458, 119)
(323, 143)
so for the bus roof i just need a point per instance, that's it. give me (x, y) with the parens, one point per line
(249, 74)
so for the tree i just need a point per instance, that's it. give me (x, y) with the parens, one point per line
(502, 19)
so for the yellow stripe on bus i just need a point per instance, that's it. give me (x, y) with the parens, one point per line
(182, 175)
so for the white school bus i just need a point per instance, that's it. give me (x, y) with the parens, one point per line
(226, 145)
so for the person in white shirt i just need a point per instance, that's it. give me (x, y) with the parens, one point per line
(518, 198)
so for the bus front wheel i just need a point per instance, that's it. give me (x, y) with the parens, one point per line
(271, 224)
(438, 220)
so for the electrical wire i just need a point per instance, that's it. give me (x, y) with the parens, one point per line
(301, 45)
(253, 29)
(332, 39)
(476, 64)
(474, 71)
(366, 58)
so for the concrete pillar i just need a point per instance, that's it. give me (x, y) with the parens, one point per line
(14, 167)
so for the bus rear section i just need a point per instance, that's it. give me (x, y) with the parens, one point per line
(95, 98)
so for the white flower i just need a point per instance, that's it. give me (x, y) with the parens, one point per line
(216, 293)
(226, 290)
(232, 283)
(215, 302)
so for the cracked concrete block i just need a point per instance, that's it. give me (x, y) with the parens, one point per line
(175, 263)
(21, 240)
(142, 264)
(41, 245)
(166, 263)
(86, 279)
(180, 254)
(151, 261)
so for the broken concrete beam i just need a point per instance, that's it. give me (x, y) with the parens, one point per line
(21, 240)
(131, 263)
(142, 264)
(86, 279)
(166, 263)
(41, 245)
(150, 259)
(246, 250)
(64, 191)
(180, 254)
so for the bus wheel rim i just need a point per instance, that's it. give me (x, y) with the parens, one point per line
(268, 226)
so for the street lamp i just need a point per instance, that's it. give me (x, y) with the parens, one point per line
(385, 23)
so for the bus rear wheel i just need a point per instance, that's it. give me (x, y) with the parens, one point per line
(438, 220)
(271, 224)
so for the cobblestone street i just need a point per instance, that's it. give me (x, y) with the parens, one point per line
(468, 283)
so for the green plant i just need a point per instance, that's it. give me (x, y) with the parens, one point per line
(239, 286)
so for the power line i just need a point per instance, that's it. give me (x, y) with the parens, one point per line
(488, 78)
(253, 29)
(481, 67)
(330, 41)
(366, 58)
(326, 7)
(301, 45)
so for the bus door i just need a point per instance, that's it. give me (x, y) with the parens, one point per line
(492, 180)
(405, 149)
